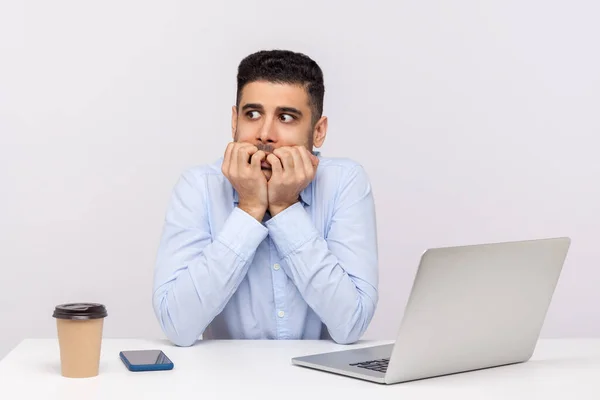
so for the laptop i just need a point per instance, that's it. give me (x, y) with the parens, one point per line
(470, 307)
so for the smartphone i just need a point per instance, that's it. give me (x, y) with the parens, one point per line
(146, 360)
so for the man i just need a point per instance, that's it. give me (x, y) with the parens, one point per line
(272, 241)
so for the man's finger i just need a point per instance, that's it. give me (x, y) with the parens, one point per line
(307, 161)
(244, 152)
(235, 156)
(276, 167)
(314, 159)
(227, 158)
(298, 161)
(287, 161)
(257, 158)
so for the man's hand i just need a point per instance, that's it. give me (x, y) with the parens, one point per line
(293, 168)
(241, 166)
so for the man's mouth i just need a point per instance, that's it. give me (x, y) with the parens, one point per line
(265, 165)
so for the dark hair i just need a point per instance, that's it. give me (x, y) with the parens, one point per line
(284, 66)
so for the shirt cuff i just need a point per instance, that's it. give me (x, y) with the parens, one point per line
(242, 233)
(290, 229)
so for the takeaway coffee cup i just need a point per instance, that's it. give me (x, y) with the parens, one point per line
(79, 328)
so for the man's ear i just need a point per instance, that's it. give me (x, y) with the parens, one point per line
(320, 132)
(233, 121)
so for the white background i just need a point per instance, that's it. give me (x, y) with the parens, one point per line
(476, 121)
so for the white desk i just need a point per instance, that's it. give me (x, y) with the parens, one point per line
(561, 369)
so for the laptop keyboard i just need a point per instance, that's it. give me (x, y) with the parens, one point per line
(374, 365)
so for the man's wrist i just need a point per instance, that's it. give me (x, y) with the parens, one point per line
(257, 212)
(275, 209)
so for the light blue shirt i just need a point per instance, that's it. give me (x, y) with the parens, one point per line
(310, 272)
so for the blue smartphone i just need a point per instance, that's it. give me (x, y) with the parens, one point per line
(146, 360)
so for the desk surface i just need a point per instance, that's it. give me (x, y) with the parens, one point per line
(560, 368)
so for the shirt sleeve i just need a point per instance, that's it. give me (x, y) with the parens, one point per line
(338, 274)
(195, 274)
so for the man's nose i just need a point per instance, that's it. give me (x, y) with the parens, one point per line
(267, 132)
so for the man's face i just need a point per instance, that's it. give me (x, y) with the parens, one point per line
(272, 115)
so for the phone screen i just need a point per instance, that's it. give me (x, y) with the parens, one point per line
(146, 357)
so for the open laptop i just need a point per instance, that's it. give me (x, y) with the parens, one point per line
(470, 307)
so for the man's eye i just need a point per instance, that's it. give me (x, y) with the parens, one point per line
(286, 118)
(253, 114)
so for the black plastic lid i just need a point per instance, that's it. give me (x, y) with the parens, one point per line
(80, 311)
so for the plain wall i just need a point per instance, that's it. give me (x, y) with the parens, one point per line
(476, 121)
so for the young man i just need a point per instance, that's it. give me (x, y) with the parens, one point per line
(272, 241)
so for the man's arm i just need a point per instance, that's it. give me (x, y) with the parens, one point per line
(195, 276)
(337, 275)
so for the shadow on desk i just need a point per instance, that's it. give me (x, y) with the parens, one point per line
(199, 342)
(519, 373)
(581, 362)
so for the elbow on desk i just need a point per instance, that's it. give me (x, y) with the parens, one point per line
(351, 331)
(344, 340)
(348, 333)
(346, 336)
(176, 333)
(182, 341)
(178, 337)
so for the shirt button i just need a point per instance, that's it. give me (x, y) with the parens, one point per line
(276, 267)
(281, 314)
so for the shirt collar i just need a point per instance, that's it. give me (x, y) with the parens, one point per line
(305, 195)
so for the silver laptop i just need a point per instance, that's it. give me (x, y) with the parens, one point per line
(470, 307)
